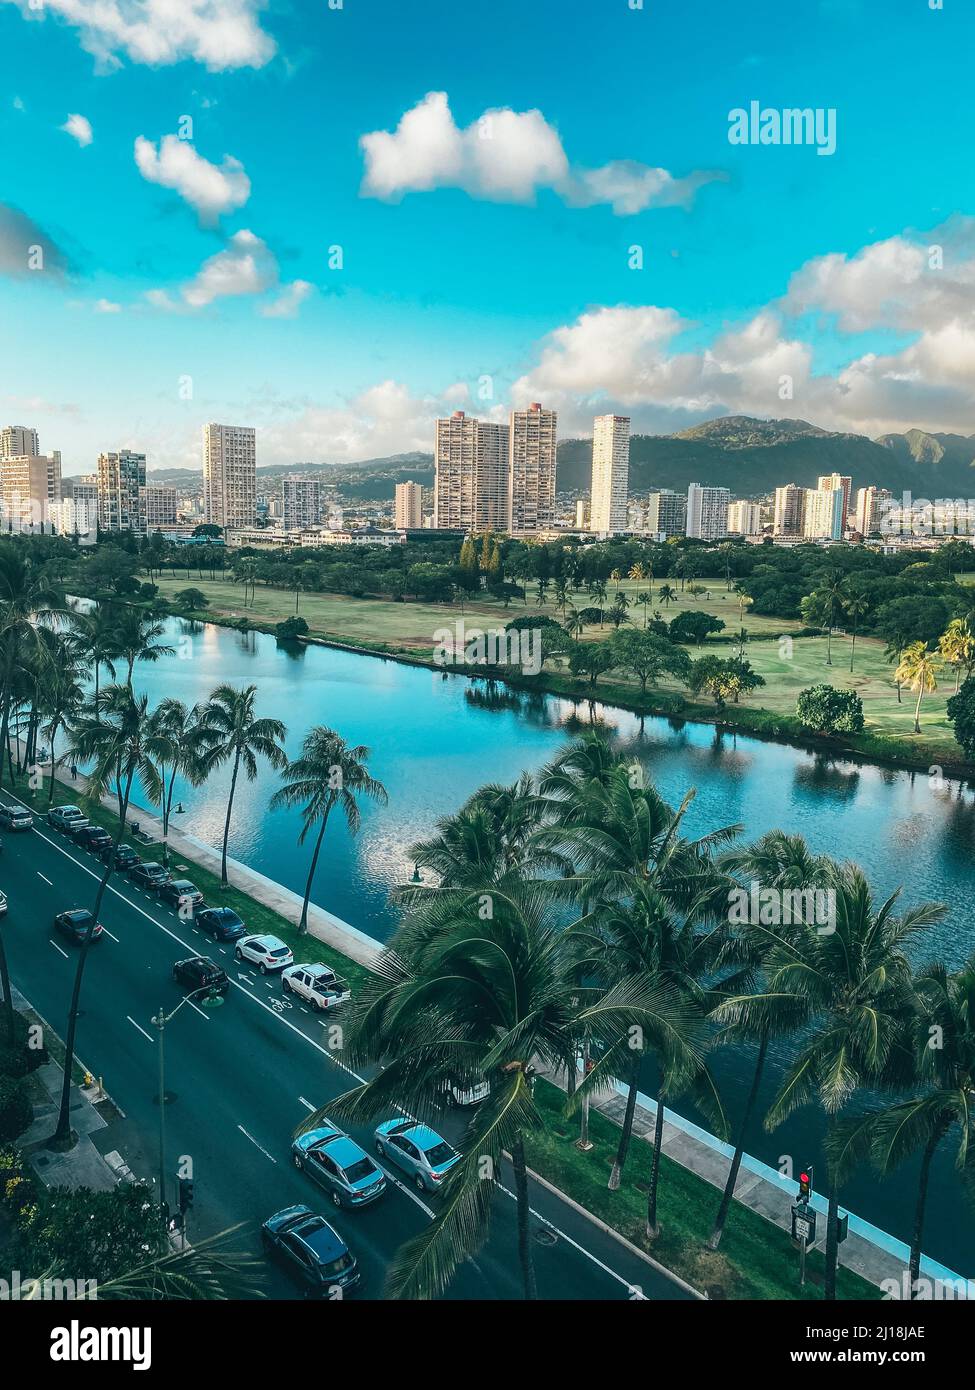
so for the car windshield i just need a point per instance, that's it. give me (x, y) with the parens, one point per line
(440, 1153)
(184, 885)
(357, 1171)
(281, 951)
(78, 917)
(338, 1266)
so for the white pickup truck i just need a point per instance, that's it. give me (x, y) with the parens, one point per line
(318, 985)
(68, 819)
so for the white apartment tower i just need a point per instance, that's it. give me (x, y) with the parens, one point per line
(121, 486)
(19, 441)
(825, 515)
(471, 462)
(707, 512)
(788, 517)
(869, 508)
(229, 476)
(745, 519)
(610, 473)
(828, 482)
(301, 503)
(531, 469)
(160, 506)
(408, 514)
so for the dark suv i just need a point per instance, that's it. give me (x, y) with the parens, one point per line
(125, 856)
(150, 876)
(199, 973)
(93, 837)
(222, 923)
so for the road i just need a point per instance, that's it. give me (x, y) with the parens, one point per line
(239, 1080)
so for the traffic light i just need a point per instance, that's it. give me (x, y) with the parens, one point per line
(805, 1185)
(185, 1194)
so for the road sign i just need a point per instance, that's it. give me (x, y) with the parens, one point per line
(803, 1223)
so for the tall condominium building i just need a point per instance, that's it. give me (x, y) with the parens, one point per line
(471, 462)
(825, 515)
(610, 473)
(229, 475)
(18, 441)
(408, 507)
(582, 514)
(707, 512)
(827, 482)
(301, 503)
(745, 519)
(531, 469)
(29, 485)
(160, 506)
(789, 513)
(870, 508)
(665, 514)
(121, 480)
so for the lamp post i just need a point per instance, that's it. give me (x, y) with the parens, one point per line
(159, 1022)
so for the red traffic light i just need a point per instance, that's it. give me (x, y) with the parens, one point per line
(805, 1184)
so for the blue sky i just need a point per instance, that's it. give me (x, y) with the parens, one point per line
(483, 262)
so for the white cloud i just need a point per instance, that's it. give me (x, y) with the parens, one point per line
(79, 128)
(506, 156)
(107, 306)
(210, 189)
(289, 301)
(18, 104)
(245, 266)
(221, 34)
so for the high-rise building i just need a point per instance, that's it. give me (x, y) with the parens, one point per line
(531, 469)
(77, 512)
(121, 480)
(665, 514)
(471, 462)
(301, 503)
(745, 519)
(29, 485)
(18, 441)
(829, 481)
(229, 475)
(582, 514)
(825, 515)
(610, 474)
(160, 506)
(707, 512)
(869, 508)
(408, 506)
(789, 512)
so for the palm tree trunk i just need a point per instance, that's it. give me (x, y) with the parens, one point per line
(922, 1197)
(7, 681)
(525, 1256)
(729, 1187)
(303, 923)
(8, 998)
(917, 711)
(853, 649)
(627, 1130)
(832, 1241)
(224, 881)
(658, 1139)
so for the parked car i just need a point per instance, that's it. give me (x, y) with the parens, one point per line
(222, 923)
(74, 925)
(463, 1092)
(93, 837)
(3, 904)
(312, 1250)
(149, 876)
(419, 1150)
(317, 984)
(179, 891)
(266, 952)
(15, 817)
(68, 819)
(338, 1164)
(197, 972)
(125, 857)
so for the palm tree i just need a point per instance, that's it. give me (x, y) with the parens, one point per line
(956, 646)
(667, 594)
(181, 738)
(855, 606)
(60, 696)
(945, 1082)
(329, 773)
(116, 738)
(918, 669)
(136, 639)
(229, 732)
(645, 600)
(26, 599)
(100, 629)
(832, 593)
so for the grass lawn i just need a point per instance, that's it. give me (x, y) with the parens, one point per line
(755, 1260)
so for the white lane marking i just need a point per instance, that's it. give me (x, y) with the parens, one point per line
(568, 1239)
(256, 1144)
(46, 880)
(147, 1036)
(57, 947)
(306, 1103)
(198, 1010)
(114, 938)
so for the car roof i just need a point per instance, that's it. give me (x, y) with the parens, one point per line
(419, 1134)
(345, 1151)
(223, 913)
(317, 1234)
(151, 864)
(74, 913)
(182, 883)
(272, 942)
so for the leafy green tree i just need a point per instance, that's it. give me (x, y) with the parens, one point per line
(961, 713)
(830, 711)
(592, 659)
(694, 626)
(648, 657)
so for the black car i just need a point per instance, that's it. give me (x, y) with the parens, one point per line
(150, 876)
(125, 856)
(197, 973)
(178, 891)
(74, 925)
(315, 1253)
(222, 923)
(93, 837)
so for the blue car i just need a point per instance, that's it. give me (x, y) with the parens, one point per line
(312, 1250)
(337, 1163)
(418, 1150)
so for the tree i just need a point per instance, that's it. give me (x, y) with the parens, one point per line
(724, 678)
(328, 774)
(230, 732)
(180, 745)
(667, 594)
(956, 646)
(27, 598)
(824, 604)
(648, 657)
(136, 638)
(830, 711)
(855, 607)
(591, 659)
(694, 626)
(961, 712)
(195, 600)
(918, 669)
(291, 628)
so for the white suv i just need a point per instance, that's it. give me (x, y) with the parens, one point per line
(266, 952)
(316, 984)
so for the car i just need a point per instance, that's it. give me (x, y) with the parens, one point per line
(179, 891)
(93, 837)
(317, 984)
(266, 952)
(313, 1251)
(15, 817)
(419, 1150)
(125, 857)
(338, 1164)
(68, 819)
(198, 972)
(464, 1092)
(3, 904)
(149, 876)
(74, 924)
(222, 923)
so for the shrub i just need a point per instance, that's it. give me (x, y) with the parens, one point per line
(961, 712)
(829, 711)
(16, 1058)
(291, 627)
(16, 1110)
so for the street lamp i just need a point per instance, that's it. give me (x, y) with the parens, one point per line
(159, 1021)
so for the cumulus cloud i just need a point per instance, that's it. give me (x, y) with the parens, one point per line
(289, 301)
(221, 34)
(385, 419)
(210, 189)
(244, 266)
(25, 248)
(107, 306)
(79, 128)
(506, 156)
